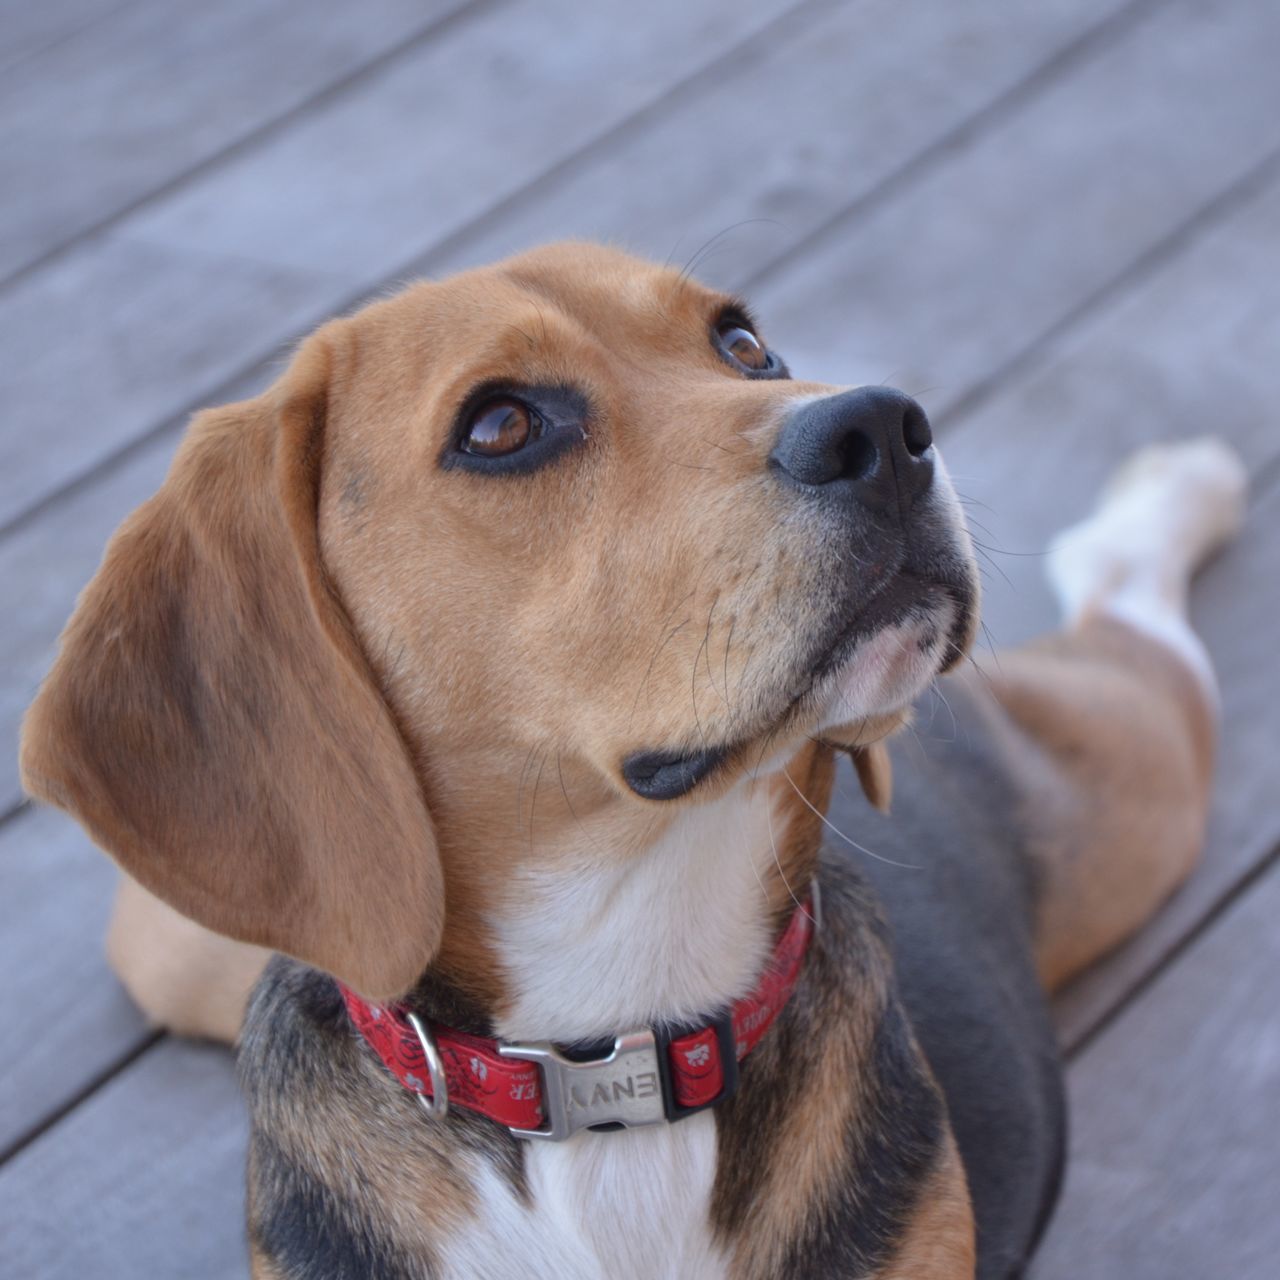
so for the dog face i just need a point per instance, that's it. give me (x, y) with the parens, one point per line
(590, 513)
(564, 516)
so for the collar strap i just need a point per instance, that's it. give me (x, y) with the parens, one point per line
(538, 1090)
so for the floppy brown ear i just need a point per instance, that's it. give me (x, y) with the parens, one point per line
(212, 722)
(875, 772)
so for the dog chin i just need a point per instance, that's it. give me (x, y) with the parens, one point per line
(884, 674)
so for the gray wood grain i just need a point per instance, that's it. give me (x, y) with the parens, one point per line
(63, 1017)
(1023, 220)
(118, 108)
(102, 345)
(146, 1178)
(788, 131)
(1189, 351)
(1175, 1168)
(343, 201)
(29, 29)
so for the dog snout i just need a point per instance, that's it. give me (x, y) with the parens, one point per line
(871, 446)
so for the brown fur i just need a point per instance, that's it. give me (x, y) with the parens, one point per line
(1115, 757)
(829, 1179)
(939, 1242)
(188, 979)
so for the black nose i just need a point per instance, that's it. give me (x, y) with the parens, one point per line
(872, 445)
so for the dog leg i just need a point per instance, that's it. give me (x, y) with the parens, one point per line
(1121, 705)
(183, 977)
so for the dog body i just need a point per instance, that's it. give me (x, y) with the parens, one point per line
(799, 1170)
(495, 662)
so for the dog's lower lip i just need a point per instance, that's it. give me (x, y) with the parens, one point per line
(668, 775)
(884, 609)
(665, 775)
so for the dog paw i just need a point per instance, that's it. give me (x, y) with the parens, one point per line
(1191, 493)
(1165, 511)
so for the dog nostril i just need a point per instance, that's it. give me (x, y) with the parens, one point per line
(858, 456)
(916, 432)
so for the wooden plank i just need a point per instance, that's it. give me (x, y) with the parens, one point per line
(102, 345)
(1174, 1163)
(118, 108)
(1024, 220)
(30, 28)
(65, 1018)
(1189, 352)
(144, 1179)
(757, 144)
(369, 202)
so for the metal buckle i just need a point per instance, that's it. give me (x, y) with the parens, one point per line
(436, 1106)
(631, 1086)
(628, 1087)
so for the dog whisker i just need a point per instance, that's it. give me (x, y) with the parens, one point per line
(936, 691)
(769, 739)
(662, 644)
(879, 857)
(569, 803)
(533, 801)
(733, 622)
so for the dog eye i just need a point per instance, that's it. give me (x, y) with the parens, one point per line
(501, 427)
(742, 346)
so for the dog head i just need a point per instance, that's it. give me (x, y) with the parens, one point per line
(564, 526)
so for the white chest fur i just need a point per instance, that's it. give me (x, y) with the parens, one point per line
(596, 945)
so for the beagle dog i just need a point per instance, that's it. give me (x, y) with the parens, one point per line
(492, 668)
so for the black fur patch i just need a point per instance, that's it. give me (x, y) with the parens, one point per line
(960, 894)
(892, 1136)
(310, 1233)
(327, 1114)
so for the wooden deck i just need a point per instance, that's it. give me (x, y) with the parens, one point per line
(1056, 223)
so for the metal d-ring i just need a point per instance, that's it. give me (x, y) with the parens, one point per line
(437, 1106)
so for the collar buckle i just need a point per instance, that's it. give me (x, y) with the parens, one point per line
(623, 1088)
(631, 1086)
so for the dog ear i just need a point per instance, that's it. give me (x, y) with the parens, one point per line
(866, 742)
(212, 722)
(875, 772)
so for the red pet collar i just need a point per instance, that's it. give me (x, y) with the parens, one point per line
(539, 1091)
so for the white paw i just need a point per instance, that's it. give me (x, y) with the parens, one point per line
(1193, 491)
(1166, 510)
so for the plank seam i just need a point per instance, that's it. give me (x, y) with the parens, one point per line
(1247, 186)
(1217, 909)
(16, 808)
(87, 25)
(971, 126)
(83, 1094)
(466, 10)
